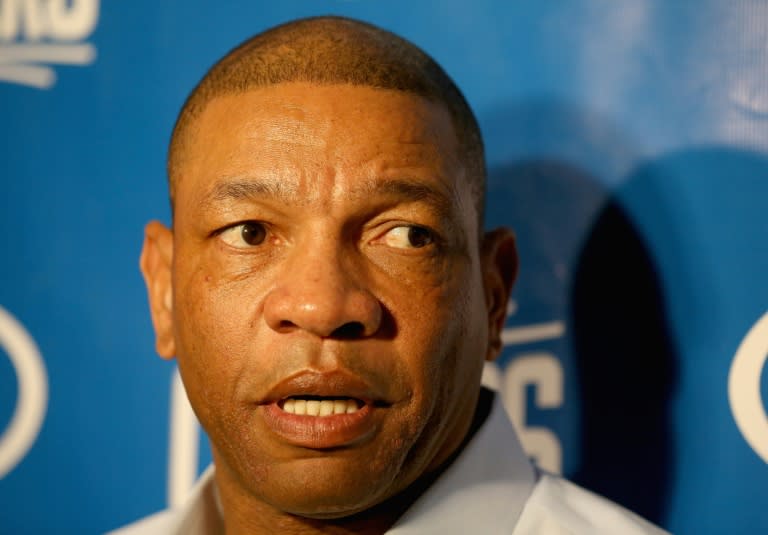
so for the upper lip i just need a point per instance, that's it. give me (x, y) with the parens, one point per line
(333, 384)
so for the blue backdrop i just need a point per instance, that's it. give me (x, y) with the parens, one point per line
(628, 147)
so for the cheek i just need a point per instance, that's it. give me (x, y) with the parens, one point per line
(210, 337)
(460, 324)
(439, 331)
(201, 316)
(218, 299)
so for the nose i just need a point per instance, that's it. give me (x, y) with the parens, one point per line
(318, 292)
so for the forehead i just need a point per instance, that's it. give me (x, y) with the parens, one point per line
(296, 106)
(302, 131)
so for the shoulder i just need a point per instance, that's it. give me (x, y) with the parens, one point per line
(156, 524)
(559, 507)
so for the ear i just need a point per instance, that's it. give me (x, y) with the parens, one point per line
(499, 259)
(155, 264)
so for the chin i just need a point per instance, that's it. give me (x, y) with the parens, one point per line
(322, 505)
(329, 488)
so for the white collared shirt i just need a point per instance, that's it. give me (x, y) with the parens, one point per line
(491, 488)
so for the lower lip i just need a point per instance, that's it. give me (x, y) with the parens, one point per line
(320, 432)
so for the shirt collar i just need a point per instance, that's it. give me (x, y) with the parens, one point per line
(201, 513)
(486, 486)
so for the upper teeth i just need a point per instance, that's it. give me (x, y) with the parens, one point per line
(319, 407)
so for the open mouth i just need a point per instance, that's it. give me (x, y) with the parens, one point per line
(320, 406)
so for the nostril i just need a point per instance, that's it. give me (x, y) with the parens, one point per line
(350, 330)
(329, 310)
(286, 325)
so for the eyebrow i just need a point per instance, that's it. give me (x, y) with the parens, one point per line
(407, 189)
(239, 189)
(414, 191)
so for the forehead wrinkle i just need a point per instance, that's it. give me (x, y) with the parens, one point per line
(245, 189)
(442, 199)
(412, 191)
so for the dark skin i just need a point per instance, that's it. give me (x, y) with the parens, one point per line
(326, 245)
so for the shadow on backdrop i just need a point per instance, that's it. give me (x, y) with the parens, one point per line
(702, 210)
(584, 261)
(549, 204)
(626, 367)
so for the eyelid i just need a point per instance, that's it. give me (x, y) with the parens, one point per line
(434, 237)
(232, 228)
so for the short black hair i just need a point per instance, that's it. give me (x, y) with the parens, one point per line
(336, 50)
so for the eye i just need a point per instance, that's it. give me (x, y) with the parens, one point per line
(244, 235)
(408, 237)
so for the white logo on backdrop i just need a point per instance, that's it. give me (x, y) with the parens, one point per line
(37, 34)
(183, 445)
(32, 399)
(744, 387)
(538, 369)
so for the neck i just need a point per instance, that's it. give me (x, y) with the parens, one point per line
(261, 518)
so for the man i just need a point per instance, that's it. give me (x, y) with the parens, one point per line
(331, 298)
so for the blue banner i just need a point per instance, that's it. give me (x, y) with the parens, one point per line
(627, 145)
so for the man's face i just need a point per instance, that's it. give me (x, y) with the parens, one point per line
(325, 258)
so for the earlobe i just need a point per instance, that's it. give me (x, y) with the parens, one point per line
(155, 264)
(500, 264)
